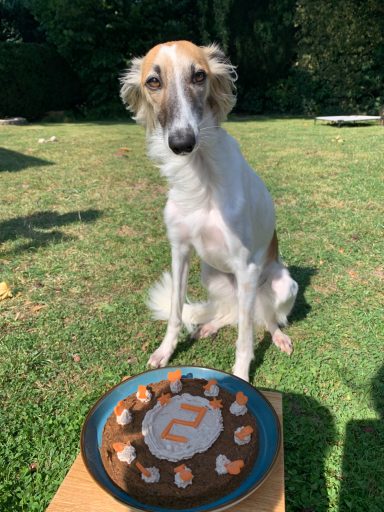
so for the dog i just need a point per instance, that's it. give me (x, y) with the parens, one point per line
(216, 205)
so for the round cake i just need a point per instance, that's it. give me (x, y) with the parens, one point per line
(180, 442)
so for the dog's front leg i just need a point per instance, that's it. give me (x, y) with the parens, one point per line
(180, 267)
(246, 286)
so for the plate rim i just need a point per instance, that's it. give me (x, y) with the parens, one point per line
(220, 508)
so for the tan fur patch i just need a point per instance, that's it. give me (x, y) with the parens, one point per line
(184, 48)
(273, 249)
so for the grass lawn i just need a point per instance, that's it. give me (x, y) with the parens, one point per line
(81, 241)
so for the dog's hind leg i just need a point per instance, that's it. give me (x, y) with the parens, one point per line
(222, 301)
(276, 298)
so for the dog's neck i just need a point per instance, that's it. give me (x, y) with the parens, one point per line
(191, 178)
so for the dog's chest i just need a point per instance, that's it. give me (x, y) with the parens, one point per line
(205, 230)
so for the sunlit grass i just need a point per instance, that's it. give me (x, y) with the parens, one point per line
(82, 239)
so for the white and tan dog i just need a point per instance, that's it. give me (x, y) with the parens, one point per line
(216, 203)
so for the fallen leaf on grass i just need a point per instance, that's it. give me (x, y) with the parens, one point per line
(144, 346)
(122, 152)
(132, 360)
(33, 466)
(5, 291)
(37, 307)
(76, 358)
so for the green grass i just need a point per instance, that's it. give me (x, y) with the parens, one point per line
(82, 239)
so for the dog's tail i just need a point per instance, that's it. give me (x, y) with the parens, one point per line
(159, 303)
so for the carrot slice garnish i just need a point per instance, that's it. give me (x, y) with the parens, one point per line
(179, 468)
(118, 447)
(119, 408)
(244, 432)
(210, 383)
(176, 375)
(216, 404)
(235, 467)
(186, 475)
(142, 469)
(142, 392)
(241, 399)
(177, 439)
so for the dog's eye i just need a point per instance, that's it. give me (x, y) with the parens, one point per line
(153, 83)
(199, 77)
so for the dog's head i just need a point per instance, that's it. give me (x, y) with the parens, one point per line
(177, 88)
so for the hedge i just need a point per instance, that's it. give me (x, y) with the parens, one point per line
(34, 79)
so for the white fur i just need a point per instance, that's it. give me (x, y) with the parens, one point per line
(218, 206)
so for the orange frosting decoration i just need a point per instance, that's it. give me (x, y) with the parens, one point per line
(210, 383)
(142, 469)
(244, 432)
(142, 392)
(179, 468)
(241, 399)
(235, 467)
(173, 376)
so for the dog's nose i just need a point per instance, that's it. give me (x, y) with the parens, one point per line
(182, 142)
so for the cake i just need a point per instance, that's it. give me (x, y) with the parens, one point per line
(180, 442)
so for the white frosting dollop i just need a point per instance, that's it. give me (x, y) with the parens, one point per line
(199, 438)
(154, 476)
(147, 398)
(176, 386)
(182, 483)
(221, 463)
(124, 418)
(212, 391)
(237, 409)
(239, 441)
(127, 455)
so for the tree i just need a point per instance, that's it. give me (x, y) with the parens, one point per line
(340, 44)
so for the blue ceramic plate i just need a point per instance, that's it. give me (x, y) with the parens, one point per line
(268, 424)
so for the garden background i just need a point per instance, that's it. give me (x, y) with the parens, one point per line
(292, 56)
(82, 236)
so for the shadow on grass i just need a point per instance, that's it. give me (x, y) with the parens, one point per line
(41, 227)
(12, 161)
(362, 487)
(303, 276)
(309, 433)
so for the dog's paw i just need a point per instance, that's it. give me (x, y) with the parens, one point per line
(204, 331)
(159, 358)
(283, 341)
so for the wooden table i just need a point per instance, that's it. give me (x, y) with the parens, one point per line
(80, 493)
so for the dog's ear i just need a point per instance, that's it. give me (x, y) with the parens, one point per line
(133, 95)
(222, 84)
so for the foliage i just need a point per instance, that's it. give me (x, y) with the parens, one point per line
(262, 46)
(17, 23)
(299, 56)
(340, 52)
(33, 80)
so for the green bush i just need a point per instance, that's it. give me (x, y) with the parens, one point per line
(33, 80)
